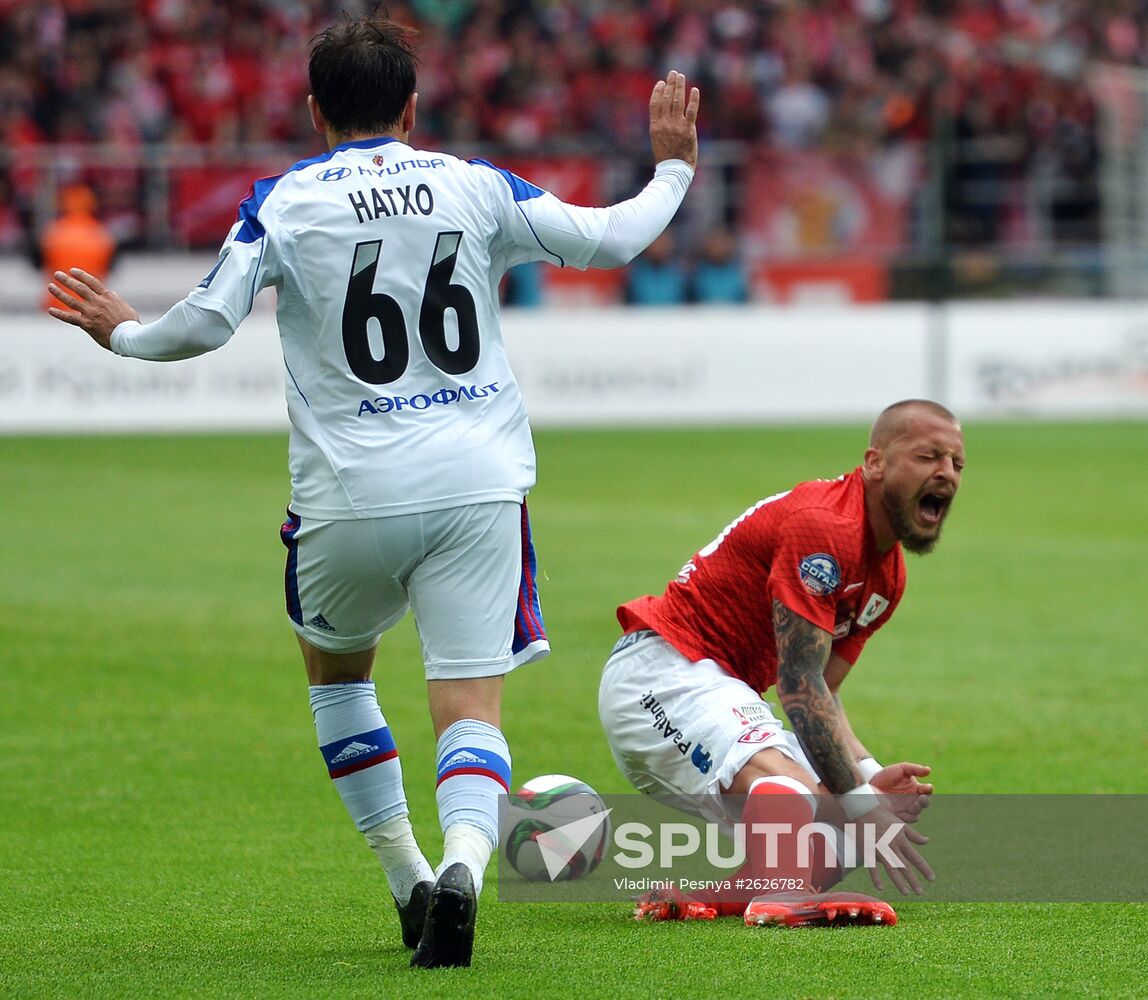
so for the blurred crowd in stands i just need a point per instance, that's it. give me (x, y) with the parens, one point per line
(1006, 78)
(525, 72)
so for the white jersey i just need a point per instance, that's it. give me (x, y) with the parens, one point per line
(387, 262)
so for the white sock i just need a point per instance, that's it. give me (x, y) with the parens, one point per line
(364, 765)
(473, 771)
(394, 845)
(470, 845)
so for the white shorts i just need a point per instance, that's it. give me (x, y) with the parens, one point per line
(466, 572)
(678, 728)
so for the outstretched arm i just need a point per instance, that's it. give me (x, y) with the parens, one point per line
(184, 331)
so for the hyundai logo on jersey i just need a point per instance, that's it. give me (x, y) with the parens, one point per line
(333, 173)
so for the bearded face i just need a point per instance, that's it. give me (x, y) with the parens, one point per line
(919, 472)
(917, 518)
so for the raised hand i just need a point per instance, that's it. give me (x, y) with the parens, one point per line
(673, 120)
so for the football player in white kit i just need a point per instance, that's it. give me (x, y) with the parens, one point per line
(410, 453)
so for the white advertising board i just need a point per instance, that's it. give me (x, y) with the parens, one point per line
(657, 367)
(1072, 359)
(696, 366)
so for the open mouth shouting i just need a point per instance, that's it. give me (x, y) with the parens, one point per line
(916, 520)
(932, 507)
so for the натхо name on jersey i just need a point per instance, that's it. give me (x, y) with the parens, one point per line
(377, 203)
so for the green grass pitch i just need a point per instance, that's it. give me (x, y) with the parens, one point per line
(167, 828)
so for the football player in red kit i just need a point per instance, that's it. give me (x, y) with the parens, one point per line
(786, 596)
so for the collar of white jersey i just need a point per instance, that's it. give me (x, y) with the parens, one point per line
(377, 140)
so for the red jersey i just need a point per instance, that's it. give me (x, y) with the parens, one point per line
(810, 548)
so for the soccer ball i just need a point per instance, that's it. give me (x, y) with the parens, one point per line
(558, 828)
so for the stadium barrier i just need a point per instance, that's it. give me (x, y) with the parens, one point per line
(631, 366)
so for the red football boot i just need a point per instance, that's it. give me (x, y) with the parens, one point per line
(827, 909)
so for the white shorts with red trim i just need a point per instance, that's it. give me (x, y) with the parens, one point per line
(468, 573)
(684, 729)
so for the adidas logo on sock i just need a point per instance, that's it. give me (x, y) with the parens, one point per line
(351, 751)
(463, 757)
(320, 622)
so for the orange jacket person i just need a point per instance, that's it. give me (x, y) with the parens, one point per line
(77, 238)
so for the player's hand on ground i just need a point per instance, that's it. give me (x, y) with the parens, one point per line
(906, 874)
(97, 309)
(673, 120)
(906, 795)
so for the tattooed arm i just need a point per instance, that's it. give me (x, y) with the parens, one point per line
(803, 654)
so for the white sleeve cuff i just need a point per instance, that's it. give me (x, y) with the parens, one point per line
(117, 335)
